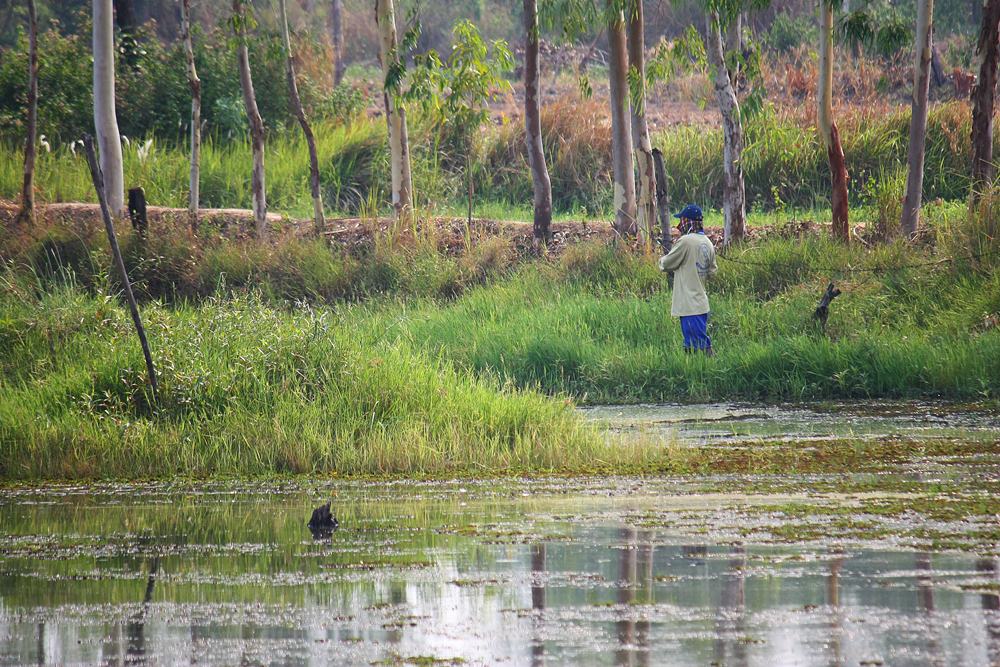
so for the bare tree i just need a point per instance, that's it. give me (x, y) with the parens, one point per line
(337, 37)
(987, 58)
(27, 210)
(918, 117)
(828, 128)
(533, 128)
(399, 144)
(241, 23)
(640, 129)
(293, 94)
(109, 140)
(195, 83)
(621, 125)
(734, 192)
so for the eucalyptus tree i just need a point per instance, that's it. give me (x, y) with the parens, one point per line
(918, 117)
(540, 182)
(574, 18)
(646, 204)
(300, 114)
(337, 40)
(399, 143)
(827, 127)
(987, 58)
(194, 83)
(734, 187)
(242, 21)
(27, 211)
(621, 122)
(105, 119)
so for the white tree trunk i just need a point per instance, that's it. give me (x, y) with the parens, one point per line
(918, 117)
(109, 141)
(399, 144)
(256, 123)
(195, 84)
(621, 128)
(640, 130)
(734, 193)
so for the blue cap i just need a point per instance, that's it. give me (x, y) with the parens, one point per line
(691, 212)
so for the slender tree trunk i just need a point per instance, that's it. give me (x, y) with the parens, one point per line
(337, 38)
(27, 211)
(828, 129)
(109, 141)
(987, 59)
(101, 188)
(918, 117)
(256, 122)
(662, 201)
(734, 193)
(542, 186)
(399, 144)
(195, 83)
(621, 128)
(646, 205)
(293, 94)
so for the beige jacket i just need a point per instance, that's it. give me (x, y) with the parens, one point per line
(692, 259)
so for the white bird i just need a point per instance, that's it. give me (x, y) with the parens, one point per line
(126, 141)
(44, 144)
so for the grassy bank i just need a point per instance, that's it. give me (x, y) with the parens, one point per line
(599, 328)
(249, 390)
(401, 358)
(785, 166)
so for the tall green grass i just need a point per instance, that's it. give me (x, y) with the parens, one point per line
(784, 164)
(248, 390)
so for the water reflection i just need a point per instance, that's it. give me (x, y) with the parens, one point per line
(410, 574)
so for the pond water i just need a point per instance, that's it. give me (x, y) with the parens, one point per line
(708, 423)
(619, 571)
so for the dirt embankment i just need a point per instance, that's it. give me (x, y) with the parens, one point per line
(358, 233)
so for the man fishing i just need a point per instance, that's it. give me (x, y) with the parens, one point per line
(692, 261)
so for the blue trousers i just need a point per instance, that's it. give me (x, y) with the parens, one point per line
(695, 330)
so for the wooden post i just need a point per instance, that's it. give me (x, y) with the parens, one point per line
(98, 177)
(137, 211)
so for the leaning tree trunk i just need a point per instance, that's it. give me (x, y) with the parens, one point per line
(987, 58)
(918, 117)
(254, 119)
(734, 192)
(293, 94)
(640, 130)
(27, 211)
(399, 144)
(195, 83)
(828, 128)
(109, 141)
(540, 182)
(337, 37)
(621, 127)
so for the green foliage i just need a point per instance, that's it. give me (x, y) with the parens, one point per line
(878, 27)
(674, 57)
(458, 88)
(788, 32)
